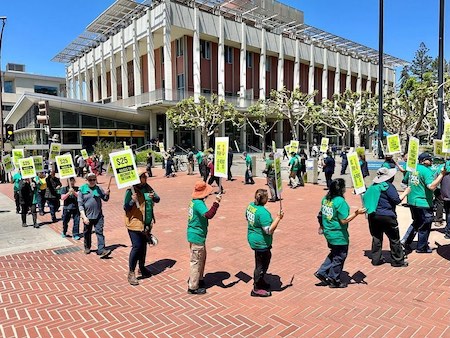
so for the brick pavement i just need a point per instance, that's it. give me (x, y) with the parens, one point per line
(49, 295)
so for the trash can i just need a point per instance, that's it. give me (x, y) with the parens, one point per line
(312, 171)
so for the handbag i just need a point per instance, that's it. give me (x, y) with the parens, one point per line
(151, 239)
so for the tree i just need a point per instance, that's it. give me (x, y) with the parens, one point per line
(421, 64)
(204, 115)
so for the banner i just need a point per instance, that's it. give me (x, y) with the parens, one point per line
(55, 150)
(7, 163)
(221, 157)
(393, 144)
(413, 154)
(324, 144)
(446, 137)
(294, 146)
(65, 166)
(38, 163)
(27, 169)
(17, 154)
(437, 146)
(84, 154)
(355, 172)
(278, 180)
(124, 168)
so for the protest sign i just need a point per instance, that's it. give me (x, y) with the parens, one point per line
(413, 154)
(446, 137)
(17, 154)
(393, 144)
(277, 168)
(38, 163)
(27, 169)
(65, 166)
(84, 154)
(294, 146)
(355, 172)
(55, 150)
(7, 164)
(124, 168)
(324, 144)
(221, 157)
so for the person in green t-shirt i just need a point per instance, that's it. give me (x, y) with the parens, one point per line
(334, 217)
(269, 170)
(294, 166)
(420, 200)
(261, 227)
(248, 169)
(197, 230)
(17, 177)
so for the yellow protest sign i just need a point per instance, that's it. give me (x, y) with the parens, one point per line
(27, 167)
(360, 150)
(17, 154)
(324, 144)
(124, 168)
(221, 157)
(38, 163)
(274, 147)
(294, 146)
(55, 150)
(7, 164)
(278, 180)
(161, 147)
(393, 144)
(65, 166)
(84, 154)
(355, 172)
(437, 145)
(413, 154)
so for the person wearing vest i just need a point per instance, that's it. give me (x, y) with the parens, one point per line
(139, 222)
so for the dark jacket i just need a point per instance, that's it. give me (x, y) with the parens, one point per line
(25, 193)
(445, 187)
(52, 183)
(329, 165)
(387, 202)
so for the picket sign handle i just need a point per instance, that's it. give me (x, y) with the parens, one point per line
(134, 191)
(110, 179)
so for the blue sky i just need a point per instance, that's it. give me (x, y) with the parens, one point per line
(38, 30)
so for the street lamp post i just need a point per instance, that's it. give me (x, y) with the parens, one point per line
(380, 81)
(2, 132)
(441, 71)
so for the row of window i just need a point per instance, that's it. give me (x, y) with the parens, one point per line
(8, 87)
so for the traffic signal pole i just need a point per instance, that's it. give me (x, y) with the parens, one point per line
(2, 131)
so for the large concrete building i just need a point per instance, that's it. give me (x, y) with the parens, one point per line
(138, 60)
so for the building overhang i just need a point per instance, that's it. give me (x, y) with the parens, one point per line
(27, 100)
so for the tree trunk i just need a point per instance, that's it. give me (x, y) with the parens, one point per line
(264, 146)
(205, 139)
(357, 135)
(293, 130)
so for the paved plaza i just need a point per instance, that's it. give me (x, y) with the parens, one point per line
(65, 293)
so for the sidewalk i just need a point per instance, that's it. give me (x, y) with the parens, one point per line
(69, 294)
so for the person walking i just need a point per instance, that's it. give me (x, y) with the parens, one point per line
(260, 229)
(69, 194)
(334, 216)
(294, 164)
(197, 230)
(52, 194)
(445, 195)
(28, 196)
(214, 178)
(344, 161)
(380, 200)
(149, 164)
(270, 172)
(190, 158)
(41, 194)
(81, 165)
(230, 163)
(420, 200)
(90, 197)
(248, 169)
(17, 177)
(328, 168)
(139, 221)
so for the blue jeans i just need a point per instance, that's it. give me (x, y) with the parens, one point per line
(87, 234)
(53, 204)
(422, 220)
(67, 214)
(334, 263)
(138, 250)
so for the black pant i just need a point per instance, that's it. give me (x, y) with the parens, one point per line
(230, 177)
(328, 179)
(217, 180)
(249, 177)
(25, 208)
(262, 261)
(16, 199)
(138, 250)
(388, 225)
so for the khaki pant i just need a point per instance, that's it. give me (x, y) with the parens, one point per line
(198, 259)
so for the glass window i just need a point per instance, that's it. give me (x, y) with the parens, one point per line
(71, 137)
(138, 127)
(88, 121)
(55, 119)
(104, 123)
(71, 120)
(46, 90)
(205, 49)
(180, 81)
(228, 54)
(249, 56)
(180, 47)
(122, 125)
(8, 87)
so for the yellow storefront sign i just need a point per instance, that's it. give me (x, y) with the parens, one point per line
(27, 167)
(89, 132)
(124, 168)
(221, 157)
(106, 133)
(355, 172)
(123, 133)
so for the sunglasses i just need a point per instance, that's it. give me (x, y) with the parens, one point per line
(92, 180)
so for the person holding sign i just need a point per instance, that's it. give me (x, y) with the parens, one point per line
(139, 220)
(17, 177)
(69, 194)
(197, 229)
(334, 216)
(420, 200)
(294, 165)
(28, 198)
(260, 231)
(328, 168)
(248, 169)
(270, 172)
(90, 197)
(380, 200)
(52, 194)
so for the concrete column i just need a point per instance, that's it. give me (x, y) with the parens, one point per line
(262, 66)
(196, 56)
(221, 59)
(279, 137)
(80, 81)
(325, 75)
(348, 82)
(69, 92)
(150, 55)
(337, 76)
(123, 67)
(95, 77)
(112, 63)
(87, 79)
(104, 92)
(297, 64)
(222, 129)
(311, 69)
(243, 64)
(243, 138)
(369, 77)
(280, 70)
(136, 63)
(169, 134)
(167, 39)
(359, 79)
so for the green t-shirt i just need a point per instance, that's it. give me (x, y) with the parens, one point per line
(248, 162)
(197, 222)
(258, 218)
(333, 211)
(199, 157)
(16, 179)
(149, 203)
(420, 196)
(293, 163)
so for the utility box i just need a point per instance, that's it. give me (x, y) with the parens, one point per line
(253, 166)
(312, 171)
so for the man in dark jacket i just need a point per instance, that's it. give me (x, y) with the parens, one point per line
(28, 200)
(52, 194)
(328, 168)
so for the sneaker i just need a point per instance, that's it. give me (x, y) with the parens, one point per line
(63, 235)
(87, 251)
(76, 237)
(104, 253)
(337, 285)
(429, 250)
(399, 265)
(322, 278)
(199, 291)
(406, 248)
(381, 262)
(260, 293)
(132, 279)
(24, 225)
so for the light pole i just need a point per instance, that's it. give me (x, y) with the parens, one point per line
(441, 71)
(2, 132)
(380, 81)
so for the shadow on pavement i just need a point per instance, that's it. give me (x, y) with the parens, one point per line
(443, 250)
(357, 278)
(160, 266)
(217, 278)
(115, 246)
(276, 285)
